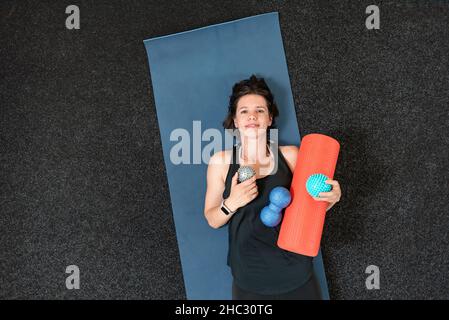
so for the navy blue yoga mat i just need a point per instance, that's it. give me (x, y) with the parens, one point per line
(192, 75)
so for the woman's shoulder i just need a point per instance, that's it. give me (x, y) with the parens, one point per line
(222, 157)
(219, 163)
(289, 150)
(290, 154)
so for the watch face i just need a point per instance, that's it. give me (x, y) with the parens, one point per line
(224, 210)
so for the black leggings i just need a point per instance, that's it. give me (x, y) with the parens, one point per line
(308, 291)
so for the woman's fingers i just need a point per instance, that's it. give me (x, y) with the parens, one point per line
(252, 187)
(254, 194)
(251, 195)
(335, 185)
(326, 194)
(249, 181)
(331, 196)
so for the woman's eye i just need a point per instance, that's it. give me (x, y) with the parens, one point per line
(261, 110)
(243, 111)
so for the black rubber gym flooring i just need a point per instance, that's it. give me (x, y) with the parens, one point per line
(82, 178)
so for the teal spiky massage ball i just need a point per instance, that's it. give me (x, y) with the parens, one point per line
(315, 184)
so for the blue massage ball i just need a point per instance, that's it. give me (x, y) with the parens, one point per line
(270, 217)
(280, 197)
(315, 184)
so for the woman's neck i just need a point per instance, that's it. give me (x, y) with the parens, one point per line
(254, 150)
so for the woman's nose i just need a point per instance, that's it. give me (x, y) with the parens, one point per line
(252, 116)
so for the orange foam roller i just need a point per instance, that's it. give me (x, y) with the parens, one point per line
(302, 225)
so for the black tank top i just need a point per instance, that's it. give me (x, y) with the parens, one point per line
(258, 265)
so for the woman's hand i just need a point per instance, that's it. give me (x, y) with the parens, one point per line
(332, 196)
(241, 193)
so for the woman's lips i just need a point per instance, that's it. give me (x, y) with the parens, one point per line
(252, 126)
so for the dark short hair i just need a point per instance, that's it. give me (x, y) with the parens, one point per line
(253, 85)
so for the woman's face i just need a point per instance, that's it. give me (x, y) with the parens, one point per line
(252, 117)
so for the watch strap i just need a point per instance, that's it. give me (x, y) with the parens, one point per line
(225, 209)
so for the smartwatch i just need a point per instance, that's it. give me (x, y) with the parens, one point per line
(225, 209)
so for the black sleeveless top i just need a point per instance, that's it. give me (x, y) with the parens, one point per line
(258, 265)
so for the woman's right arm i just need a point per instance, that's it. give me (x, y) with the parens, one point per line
(240, 194)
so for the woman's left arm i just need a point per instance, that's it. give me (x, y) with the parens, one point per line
(332, 196)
